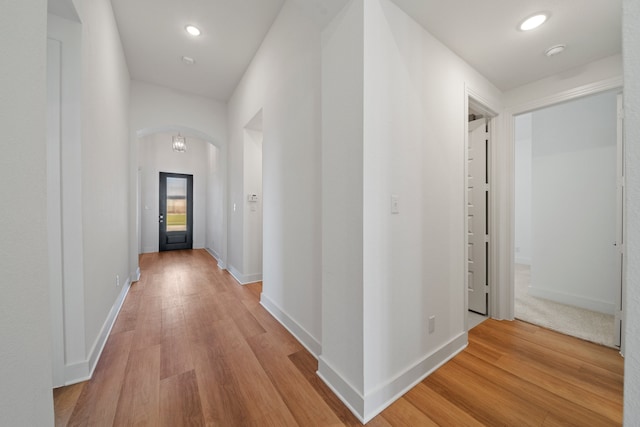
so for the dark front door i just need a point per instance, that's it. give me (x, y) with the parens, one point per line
(176, 211)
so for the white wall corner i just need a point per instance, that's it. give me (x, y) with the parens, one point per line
(221, 264)
(366, 407)
(347, 393)
(82, 371)
(301, 334)
(380, 398)
(244, 279)
(135, 275)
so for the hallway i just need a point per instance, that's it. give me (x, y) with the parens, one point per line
(191, 347)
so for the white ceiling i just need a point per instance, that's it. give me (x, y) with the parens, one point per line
(154, 40)
(484, 33)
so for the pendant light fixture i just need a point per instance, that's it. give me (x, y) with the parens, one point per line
(179, 143)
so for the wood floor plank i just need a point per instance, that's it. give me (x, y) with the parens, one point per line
(438, 408)
(308, 366)
(273, 419)
(219, 390)
(128, 316)
(65, 400)
(606, 382)
(554, 383)
(175, 349)
(303, 401)
(148, 332)
(216, 357)
(98, 401)
(262, 397)
(572, 413)
(585, 351)
(139, 403)
(286, 343)
(180, 401)
(461, 386)
(403, 413)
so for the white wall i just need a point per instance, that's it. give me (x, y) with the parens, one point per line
(341, 361)
(105, 169)
(216, 196)
(157, 155)
(25, 355)
(284, 81)
(523, 133)
(413, 263)
(570, 84)
(253, 210)
(631, 51)
(574, 203)
(158, 109)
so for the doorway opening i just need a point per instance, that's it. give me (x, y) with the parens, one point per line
(568, 218)
(175, 219)
(253, 203)
(478, 197)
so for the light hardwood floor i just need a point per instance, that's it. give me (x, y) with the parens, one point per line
(193, 348)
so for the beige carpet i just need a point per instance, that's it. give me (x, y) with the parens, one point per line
(588, 325)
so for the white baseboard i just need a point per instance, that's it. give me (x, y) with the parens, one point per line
(373, 402)
(149, 249)
(301, 334)
(346, 392)
(575, 300)
(221, 264)
(136, 275)
(82, 371)
(244, 279)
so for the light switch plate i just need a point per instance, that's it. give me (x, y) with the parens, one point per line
(395, 204)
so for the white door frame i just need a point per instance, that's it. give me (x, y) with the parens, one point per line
(504, 186)
(490, 108)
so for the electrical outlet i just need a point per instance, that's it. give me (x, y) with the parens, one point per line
(432, 324)
(117, 280)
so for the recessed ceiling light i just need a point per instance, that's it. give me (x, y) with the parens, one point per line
(193, 30)
(555, 50)
(533, 22)
(188, 60)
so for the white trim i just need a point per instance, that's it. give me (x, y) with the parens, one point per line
(504, 297)
(491, 108)
(347, 393)
(54, 207)
(218, 258)
(568, 95)
(82, 371)
(525, 261)
(244, 279)
(573, 300)
(301, 334)
(135, 275)
(373, 403)
(502, 300)
(379, 399)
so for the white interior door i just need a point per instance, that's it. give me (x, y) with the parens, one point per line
(477, 216)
